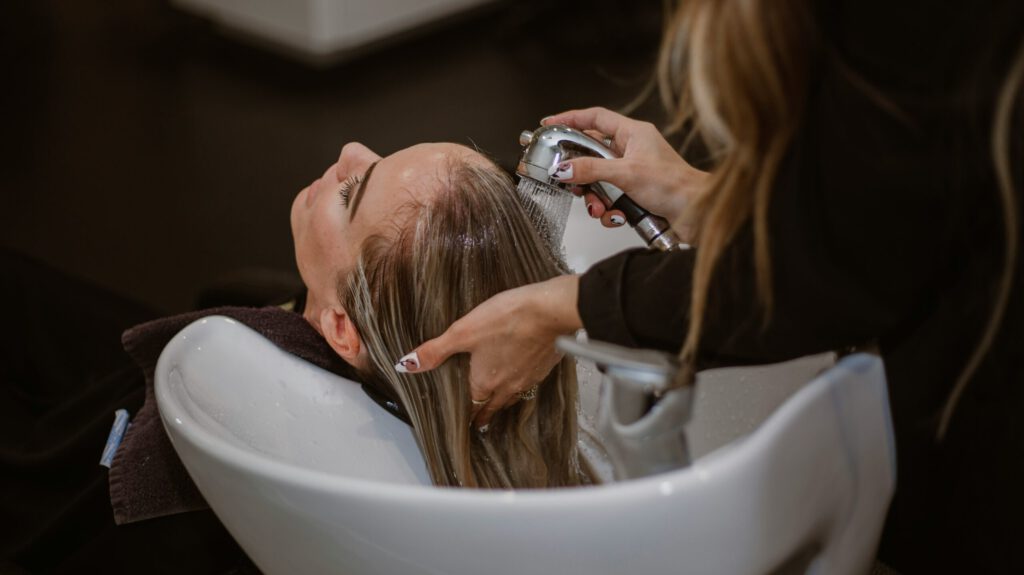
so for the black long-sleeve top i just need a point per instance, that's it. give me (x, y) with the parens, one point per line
(885, 227)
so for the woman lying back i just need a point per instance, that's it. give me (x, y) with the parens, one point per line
(392, 251)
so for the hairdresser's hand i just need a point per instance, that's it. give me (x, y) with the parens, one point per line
(650, 171)
(510, 339)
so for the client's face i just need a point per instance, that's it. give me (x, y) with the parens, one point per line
(358, 196)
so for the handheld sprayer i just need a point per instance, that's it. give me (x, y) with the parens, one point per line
(548, 146)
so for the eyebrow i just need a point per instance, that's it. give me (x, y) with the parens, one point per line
(354, 201)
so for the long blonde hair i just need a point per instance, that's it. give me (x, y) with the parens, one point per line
(738, 72)
(468, 243)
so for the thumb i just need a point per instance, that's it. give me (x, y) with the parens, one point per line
(428, 355)
(589, 170)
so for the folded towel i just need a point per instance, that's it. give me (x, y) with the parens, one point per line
(146, 477)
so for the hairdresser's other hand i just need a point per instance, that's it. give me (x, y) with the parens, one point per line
(510, 339)
(650, 170)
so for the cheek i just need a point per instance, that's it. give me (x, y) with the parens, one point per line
(326, 242)
(307, 236)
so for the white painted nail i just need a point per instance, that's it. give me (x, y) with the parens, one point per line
(618, 220)
(408, 363)
(562, 171)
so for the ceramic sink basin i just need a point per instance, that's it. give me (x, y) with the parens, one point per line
(310, 476)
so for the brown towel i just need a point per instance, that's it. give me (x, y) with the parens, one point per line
(146, 478)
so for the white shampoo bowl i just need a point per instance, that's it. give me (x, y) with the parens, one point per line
(310, 476)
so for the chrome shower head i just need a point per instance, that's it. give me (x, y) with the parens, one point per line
(546, 147)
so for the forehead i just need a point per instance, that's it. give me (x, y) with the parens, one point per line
(425, 163)
(412, 175)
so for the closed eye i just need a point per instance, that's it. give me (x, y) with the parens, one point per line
(346, 188)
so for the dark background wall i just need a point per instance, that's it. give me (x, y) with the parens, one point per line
(145, 151)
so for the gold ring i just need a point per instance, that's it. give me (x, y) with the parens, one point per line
(528, 394)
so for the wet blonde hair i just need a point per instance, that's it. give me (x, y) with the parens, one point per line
(469, 242)
(737, 73)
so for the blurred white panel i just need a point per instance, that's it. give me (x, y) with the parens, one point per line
(324, 30)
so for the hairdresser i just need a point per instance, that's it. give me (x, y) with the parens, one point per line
(865, 189)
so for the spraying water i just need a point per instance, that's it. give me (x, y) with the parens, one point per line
(548, 210)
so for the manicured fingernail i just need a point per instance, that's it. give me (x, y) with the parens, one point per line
(618, 220)
(590, 209)
(561, 171)
(545, 119)
(409, 362)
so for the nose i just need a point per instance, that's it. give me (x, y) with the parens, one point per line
(354, 158)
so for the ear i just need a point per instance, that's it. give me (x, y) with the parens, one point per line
(342, 336)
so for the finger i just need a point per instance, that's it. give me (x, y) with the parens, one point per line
(567, 118)
(613, 219)
(587, 170)
(476, 405)
(555, 118)
(605, 139)
(595, 207)
(479, 394)
(603, 120)
(433, 353)
(482, 417)
(499, 401)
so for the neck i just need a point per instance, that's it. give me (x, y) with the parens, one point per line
(312, 311)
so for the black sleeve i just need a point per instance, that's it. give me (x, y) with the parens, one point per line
(859, 220)
(638, 298)
(883, 187)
